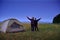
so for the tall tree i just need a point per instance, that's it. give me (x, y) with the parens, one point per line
(56, 19)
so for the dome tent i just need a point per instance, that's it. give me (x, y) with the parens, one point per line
(11, 25)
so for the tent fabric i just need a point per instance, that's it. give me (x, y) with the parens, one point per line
(11, 25)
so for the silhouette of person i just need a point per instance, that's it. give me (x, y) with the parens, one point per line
(36, 24)
(32, 23)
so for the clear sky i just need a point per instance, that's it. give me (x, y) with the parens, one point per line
(19, 9)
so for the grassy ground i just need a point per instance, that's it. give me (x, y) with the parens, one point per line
(46, 32)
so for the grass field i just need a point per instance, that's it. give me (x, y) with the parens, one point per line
(46, 32)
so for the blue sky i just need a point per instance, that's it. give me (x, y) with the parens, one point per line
(19, 9)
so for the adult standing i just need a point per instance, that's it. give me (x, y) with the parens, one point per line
(36, 24)
(32, 23)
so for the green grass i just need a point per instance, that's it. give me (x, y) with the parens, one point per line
(46, 32)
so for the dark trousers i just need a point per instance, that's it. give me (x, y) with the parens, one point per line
(32, 28)
(36, 28)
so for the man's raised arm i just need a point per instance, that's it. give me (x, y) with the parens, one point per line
(38, 19)
(28, 18)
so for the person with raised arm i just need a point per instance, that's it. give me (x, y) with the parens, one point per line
(32, 23)
(36, 24)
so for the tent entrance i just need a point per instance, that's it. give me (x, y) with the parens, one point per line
(15, 25)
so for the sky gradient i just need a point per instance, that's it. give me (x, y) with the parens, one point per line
(19, 9)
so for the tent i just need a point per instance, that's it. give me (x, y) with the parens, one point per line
(11, 25)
